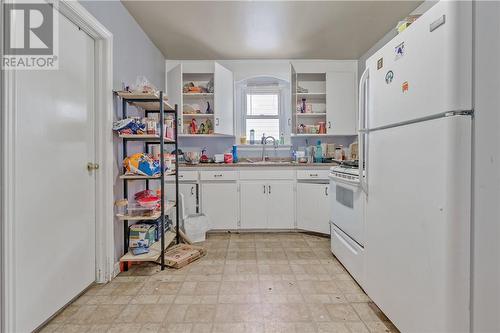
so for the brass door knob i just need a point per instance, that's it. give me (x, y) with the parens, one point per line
(92, 166)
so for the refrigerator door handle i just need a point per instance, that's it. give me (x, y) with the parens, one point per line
(362, 133)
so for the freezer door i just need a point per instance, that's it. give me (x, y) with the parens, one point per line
(426, 69)
(417, 245)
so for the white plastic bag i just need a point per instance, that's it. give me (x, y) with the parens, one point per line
(196, 227)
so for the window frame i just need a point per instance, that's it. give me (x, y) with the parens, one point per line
(262, 90)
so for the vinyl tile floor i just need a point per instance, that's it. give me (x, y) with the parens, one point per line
(249, 282)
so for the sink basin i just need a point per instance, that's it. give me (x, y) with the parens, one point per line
(264, 162)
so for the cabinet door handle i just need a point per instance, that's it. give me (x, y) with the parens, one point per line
(192, 190)
(326, 190)
(264, 189)
(269, 189)
(216, 121)
(289, 122)
(219, 175)
(179, 122)
(313, 175)
(329, 124)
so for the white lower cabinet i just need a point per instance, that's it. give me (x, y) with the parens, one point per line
(267, 205)
(189, 191)
(254, 202)
(313, 207)
(219, 201)
(260, 199)
(281, 205)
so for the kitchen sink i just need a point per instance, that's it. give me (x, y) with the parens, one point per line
(266, 162)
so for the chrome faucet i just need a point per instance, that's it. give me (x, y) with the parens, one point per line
(264, 142)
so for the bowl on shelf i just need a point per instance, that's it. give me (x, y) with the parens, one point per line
(192, 157)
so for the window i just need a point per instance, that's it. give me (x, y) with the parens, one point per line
(262, 113)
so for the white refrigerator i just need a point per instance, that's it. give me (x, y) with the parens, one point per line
(415, 140)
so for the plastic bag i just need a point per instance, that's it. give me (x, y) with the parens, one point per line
(196, 227)
(142, 85)
(142, 164)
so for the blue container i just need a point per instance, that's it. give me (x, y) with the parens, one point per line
(235, 154)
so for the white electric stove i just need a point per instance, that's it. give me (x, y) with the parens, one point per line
(347, 212)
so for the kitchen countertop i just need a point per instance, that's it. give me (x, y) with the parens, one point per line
(258, 165)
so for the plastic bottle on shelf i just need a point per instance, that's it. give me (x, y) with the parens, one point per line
(318, 153)
(235, 154)
(282, 139)
(252, 136)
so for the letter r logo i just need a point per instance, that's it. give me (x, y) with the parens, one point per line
(30, 29)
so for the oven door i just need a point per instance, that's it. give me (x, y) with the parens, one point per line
(347, 207)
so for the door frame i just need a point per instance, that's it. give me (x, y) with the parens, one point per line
(103, 106)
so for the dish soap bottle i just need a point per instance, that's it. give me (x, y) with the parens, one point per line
(252, 136)
(318, 154)
(235, 154)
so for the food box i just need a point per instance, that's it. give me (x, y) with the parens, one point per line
(182, 254)
(142, 234)
(157, 224)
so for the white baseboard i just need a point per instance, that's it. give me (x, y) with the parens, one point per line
(116, 270)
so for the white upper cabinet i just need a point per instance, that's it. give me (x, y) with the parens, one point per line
(223, 95)
(341, 103)
(174, 91)
(205, 112)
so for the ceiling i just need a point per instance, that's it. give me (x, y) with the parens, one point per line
(267, 29)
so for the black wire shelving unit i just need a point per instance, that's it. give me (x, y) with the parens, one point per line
(151, 103)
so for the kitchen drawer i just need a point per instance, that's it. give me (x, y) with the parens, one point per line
(267, 174)
(218, 175)
(184, 176)
(313, 174)
(348, 252)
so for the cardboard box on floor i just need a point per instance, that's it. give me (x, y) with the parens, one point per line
(182, 254)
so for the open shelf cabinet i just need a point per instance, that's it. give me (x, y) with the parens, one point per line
(151, 103)
(219, 116)
(308, 89)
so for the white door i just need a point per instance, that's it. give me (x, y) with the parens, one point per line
(313, 207)
(418, 224)
(280, 208)
(54, 236)
(174, 92)
(220, 204)
(341, 97)
(223, 100)
(254, 205)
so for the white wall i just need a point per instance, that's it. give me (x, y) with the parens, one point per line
(486, 166)
(279, 68)
(245, 69)
(134, 54)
